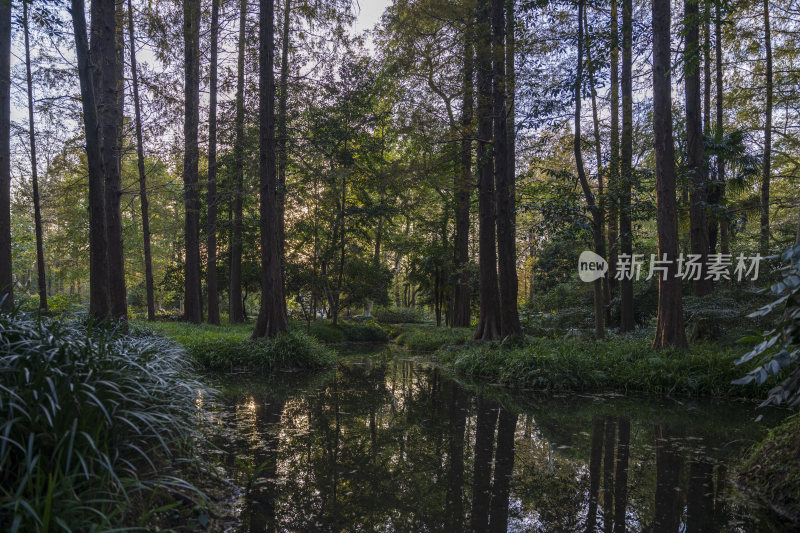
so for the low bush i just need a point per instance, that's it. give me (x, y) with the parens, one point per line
(426, 339)
(348, 331)
(628, 364)
(399, 315)
(94, 424)
(230, 347)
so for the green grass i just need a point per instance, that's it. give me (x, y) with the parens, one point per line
(427, 339)
(575, 364)
(230, 347)
(97, 427)
(772, 471)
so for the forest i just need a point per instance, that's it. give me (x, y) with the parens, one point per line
(214, 208)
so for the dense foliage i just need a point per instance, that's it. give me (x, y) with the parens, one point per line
(97, 426)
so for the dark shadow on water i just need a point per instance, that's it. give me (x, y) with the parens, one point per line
(383, 443)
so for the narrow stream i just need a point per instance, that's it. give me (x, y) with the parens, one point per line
(386, 443)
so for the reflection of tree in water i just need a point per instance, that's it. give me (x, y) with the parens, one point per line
(396, 446)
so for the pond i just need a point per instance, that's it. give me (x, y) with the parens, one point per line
(388, 443)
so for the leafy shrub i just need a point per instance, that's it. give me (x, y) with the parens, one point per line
(347, 331)
(62, 303)
(779, 349)
(93, 421)
(399, 315)
(426, 339)
(228, 347)
(572, 294)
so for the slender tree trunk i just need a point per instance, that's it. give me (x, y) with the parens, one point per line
(594, 209)
(504, 183)
(193, 308)
(6, 271)
(148, 261)
(211, 267)
(612, 201)
(694, 146)
(283, 95)
(104, 54)
(463, 187)
(98, 242)
(37, 213)
(489, 316)
(601, 196)
(714, 189)
(272, 317)
(626, 322)
(669, 327)
(767, 171)
(720, 127)
(236, 311)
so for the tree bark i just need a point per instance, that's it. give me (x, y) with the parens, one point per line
(462, 187)
(694, 146)
(6, 271)
(236, 311)
(720, 127)
(594, 209)
(504, 183)
(283, 95)
(626, 322)
(104, 56)
(98, 242)
(767, 170)
(669, 327)
(193, 309)
(489, 315)
(148, 261)
(272, 317)
(612, 201)
(211, 266)
(37, 213)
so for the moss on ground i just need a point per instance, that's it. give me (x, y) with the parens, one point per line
(772, 471)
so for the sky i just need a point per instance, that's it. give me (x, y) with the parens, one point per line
(370, 13)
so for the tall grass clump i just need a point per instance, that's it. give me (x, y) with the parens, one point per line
(95, 424)
(426, 339)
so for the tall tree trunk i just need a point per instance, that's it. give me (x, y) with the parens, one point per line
(601, 197)
(594, 209)
(272, 317)
(37, 213)
(6, 271)
(504, 183)
(148, 261)
(463, 187)
(104, 54)
(193, 307)
(98, 242)
(669, 327)
(489, 315)
(767, 171)
(283, 95)
(694, 146)
(714, 189)
(612, 200)
(211, 266)
(626, 322)
(720, 127)
(236, 311)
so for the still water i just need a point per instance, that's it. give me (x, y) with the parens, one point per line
(386, 443)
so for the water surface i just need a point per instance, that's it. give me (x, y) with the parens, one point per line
(386, 443)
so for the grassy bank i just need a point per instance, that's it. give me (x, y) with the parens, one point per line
(230, 347)
(97, 426)
(772, 471)
(619, 363)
